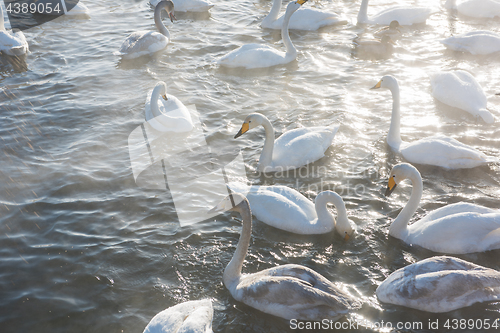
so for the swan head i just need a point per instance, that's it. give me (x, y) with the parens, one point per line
(399, 173)
(169, 7)
(229, 203)
(294, 5)
(251, 121)
(161, 89)
(388, 82)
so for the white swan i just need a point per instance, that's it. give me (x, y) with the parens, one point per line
(285, 208)
(166, 113)
(475, 42)
(303, 19)
(374, 49)
(292, 149)
(287, 291)
(188, 5)
(11, 43)
(460, 90)
(404, 15)
(440, 284)
(260, 56)
(148, 42)
(457, 228)
(187, 317)
(475, 8)
(437, 150)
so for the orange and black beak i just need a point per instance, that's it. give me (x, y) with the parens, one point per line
(377, 85)
(244, 128)
(390, 186)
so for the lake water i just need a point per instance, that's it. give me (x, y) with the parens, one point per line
(85, 249)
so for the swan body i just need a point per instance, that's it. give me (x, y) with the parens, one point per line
(142, 43)
(287, 291)
(12, 43)
(166, 113)
(188, 5)
(292, 149)
(475, 8)
(460, 89)
(440, 284)
(376, 49)
(303, 19)
(404, 15)
(252, 56)
(436, 150)
(287, 209)
(457, 228)
(187, 317)
(475, 42)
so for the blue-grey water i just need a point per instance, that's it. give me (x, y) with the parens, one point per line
(83, 248)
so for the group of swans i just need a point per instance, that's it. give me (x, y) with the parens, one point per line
(287, 291)
(440, 151)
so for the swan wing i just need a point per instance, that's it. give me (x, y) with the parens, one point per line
(459, 89)
(301, 146)
(294, 291)
(277, 210)
(479, 8)
(444, 152)
(456, 233)
(404, 15)
(440, 284)
(308, 19)
(142, 43)
(253, 56)
(191, 316)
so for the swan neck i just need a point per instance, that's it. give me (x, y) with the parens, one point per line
(233, 269)
(394, 135)
(399, 227)
(155, 109)
(325, 218)
(266, 156)
(159, 23)
(273, 14)
(291, 51)
(2, 27)
(363, 12)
